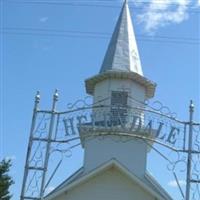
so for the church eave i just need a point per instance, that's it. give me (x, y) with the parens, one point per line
(66, 182)
(149, 85)
(156, 186)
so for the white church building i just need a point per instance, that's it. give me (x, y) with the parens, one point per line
(115, 170)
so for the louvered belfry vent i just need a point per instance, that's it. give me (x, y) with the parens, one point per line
(119, 100)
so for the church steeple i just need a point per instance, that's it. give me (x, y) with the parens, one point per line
(122, 53)
(119, 91)
(121, 62)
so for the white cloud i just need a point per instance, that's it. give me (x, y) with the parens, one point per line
(174, 183)
(43, 19)
(161, 13)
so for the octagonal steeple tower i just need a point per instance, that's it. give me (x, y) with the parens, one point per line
(118, 89)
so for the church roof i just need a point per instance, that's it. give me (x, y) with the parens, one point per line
(122, 53)
(77, 174)
(79, 177)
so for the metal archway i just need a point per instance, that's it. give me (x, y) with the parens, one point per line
(59, 132)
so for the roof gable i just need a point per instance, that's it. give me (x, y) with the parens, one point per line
(101, 169)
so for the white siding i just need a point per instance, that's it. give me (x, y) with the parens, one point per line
(131, 153)
(103, 90)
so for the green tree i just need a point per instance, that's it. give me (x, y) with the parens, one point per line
(5, 179)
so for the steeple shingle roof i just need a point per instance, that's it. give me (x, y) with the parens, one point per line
(122, 53)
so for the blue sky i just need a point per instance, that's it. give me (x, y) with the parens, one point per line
(50, 45)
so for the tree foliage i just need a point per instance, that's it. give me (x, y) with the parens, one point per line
(5, 179)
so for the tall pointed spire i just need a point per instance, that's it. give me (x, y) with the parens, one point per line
(122, 53)
(121, 62)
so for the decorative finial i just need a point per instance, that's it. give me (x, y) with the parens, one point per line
(55, 96)
(191, 105)
(37, 97)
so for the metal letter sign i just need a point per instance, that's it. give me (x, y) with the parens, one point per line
(55, 134)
